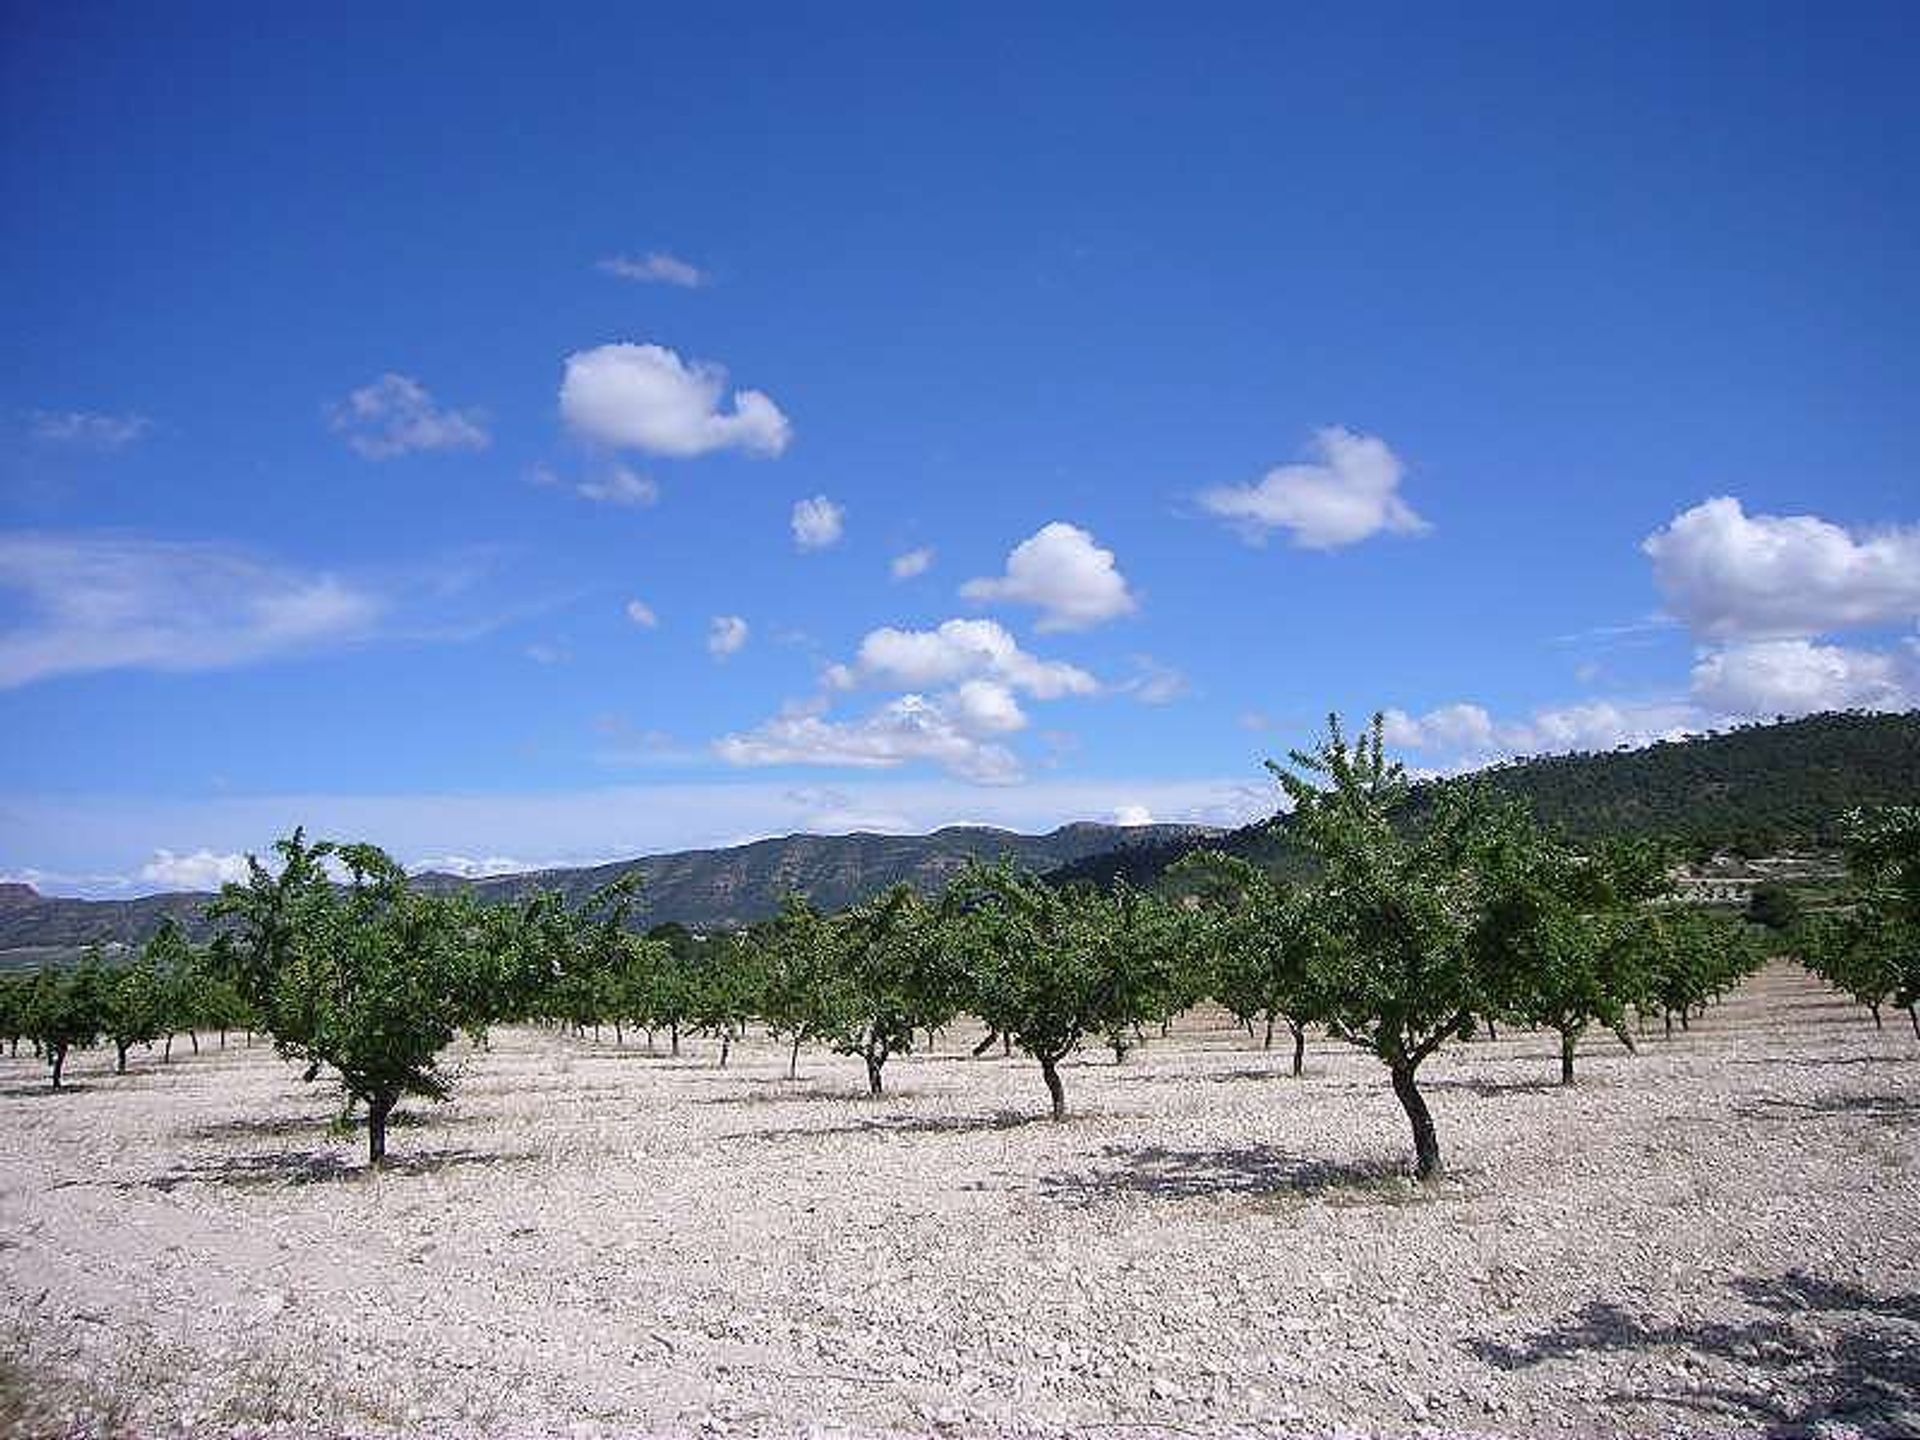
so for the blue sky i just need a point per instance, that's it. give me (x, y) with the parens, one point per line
(497, 436)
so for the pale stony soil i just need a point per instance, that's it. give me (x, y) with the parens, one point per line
(1715, 1238)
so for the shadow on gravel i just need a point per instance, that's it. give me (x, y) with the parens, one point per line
(1888, 1109)
(45, 1087)
(1488, 1089)
(1194, 1174)
(1773, 1062)
(281, 1127)
(1823, 1353)
(896, 1125)
(314, 1167)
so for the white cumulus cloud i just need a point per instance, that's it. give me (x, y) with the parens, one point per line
(957, 650)
(654, 268)
(201, 870)
(1728, 575)
(1063, 573)
(642, 614)
(817, 523)
(1131, 815)
(1347, 493)
(646, 398)
(726, 635)
(1764, 678)
(946, 733)
(396, 416)
(914, 562)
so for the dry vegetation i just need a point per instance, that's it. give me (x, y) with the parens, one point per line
(1714, 1238)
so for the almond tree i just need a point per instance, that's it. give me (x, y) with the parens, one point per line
(1262, 941)
(371, 979)
(891, 978)
(1401, 905)
(63, 1011)
(1871, 949)
(1555, 932)
(1042, 964)
(132, 1007)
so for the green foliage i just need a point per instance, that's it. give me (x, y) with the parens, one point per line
(63, 1011)
(371, 979)
(1048, 966)
(1751, 790)
(1870, 948)
(133, 1006)
(1260, 942)
(1553, 936)
(1775, 906)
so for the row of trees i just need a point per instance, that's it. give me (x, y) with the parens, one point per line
(168, 988)
(1869, 946)
(1410, 933)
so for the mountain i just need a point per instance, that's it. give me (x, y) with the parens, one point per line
(1753, 790)
(702, 889)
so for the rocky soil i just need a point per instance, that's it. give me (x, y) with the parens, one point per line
(1714, 1238)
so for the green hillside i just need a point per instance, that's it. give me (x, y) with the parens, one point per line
(1753, 790)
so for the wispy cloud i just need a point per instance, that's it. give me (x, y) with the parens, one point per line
(655, 268)
(818, 523)
(88, 429)
(105, 602)
(396, 416)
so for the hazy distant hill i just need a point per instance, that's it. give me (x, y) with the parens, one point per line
(702, 889)
(1756, 789)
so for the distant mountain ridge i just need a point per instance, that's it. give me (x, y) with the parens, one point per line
(1753, 790)
(702, 889)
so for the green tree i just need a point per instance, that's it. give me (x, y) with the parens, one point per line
(1555, 924)
(133, 1007)
(1402, 903)
(1871, 947)
(889, 979)
(1262, 940)
(1041, 963)
(371, 979)
(63, 1011)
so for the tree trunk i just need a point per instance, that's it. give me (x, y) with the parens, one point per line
(1426, 1144)
(119, 1058)
(1493, 1035)
(726, 1047)
(1878, 1024)
(1299, 1047)
(1050, 1072)
(674, 1031)
(194, 1036)
(166, 1051)
(1006, 1046)
(985, 1044)
(619, 1036)
(223, 1037)
(1267, 1043)
(1913, 1014)
(378, 1108)
(793, 1060)
(58, 1055)
(876, 1062)
(1566, 1056)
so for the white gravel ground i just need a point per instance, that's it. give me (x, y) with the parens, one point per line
(1714, 1238)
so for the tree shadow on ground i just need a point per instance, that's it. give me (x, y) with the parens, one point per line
(1490, 1089)
(1254, 1170)
(45, 1087)
(314, 1167)
(281, 1127)
(1821, 1353)
(1773, 1062)
(1887, 1109)
(897, 1125)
